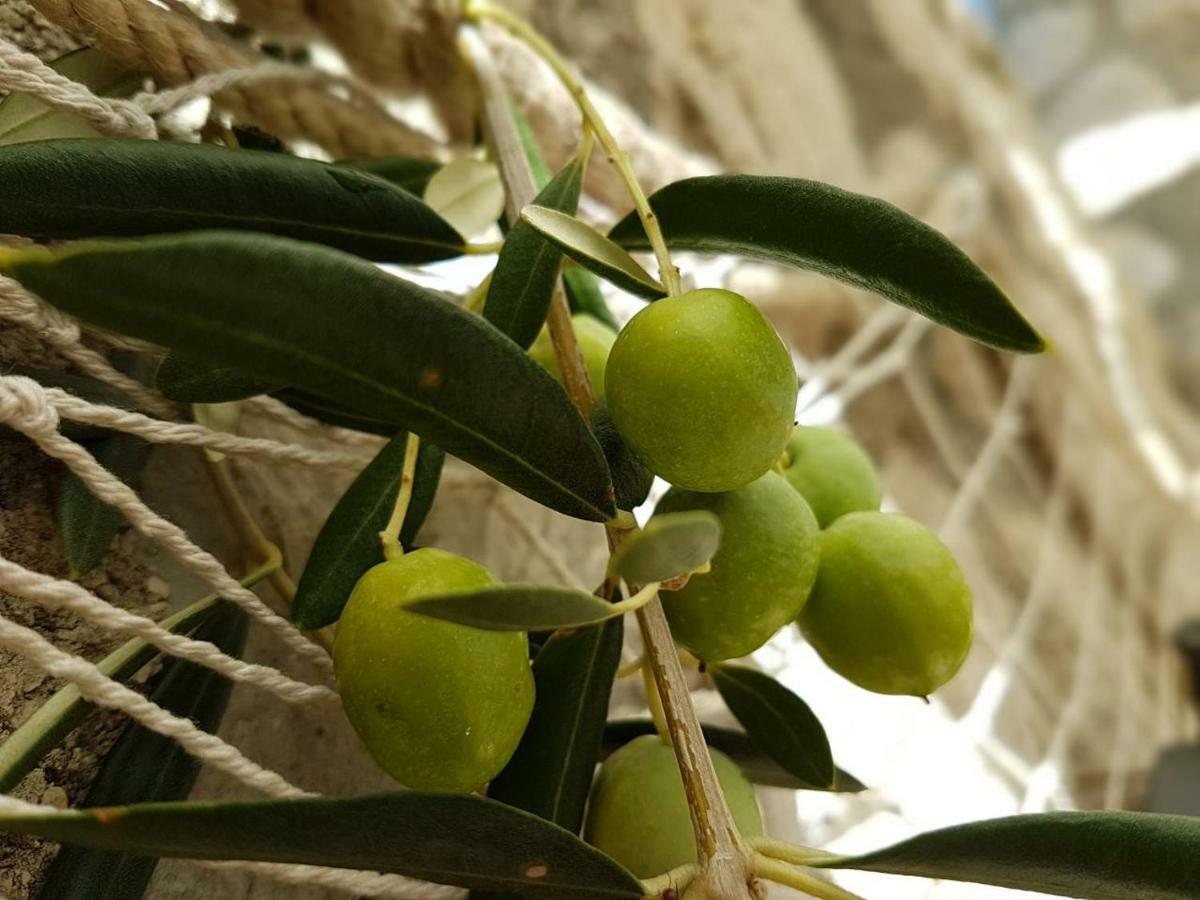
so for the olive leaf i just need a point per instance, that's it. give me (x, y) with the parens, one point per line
(187, 378)
(526, 272)
(669, 545)
(458, 839)
(529, 143)
(777, 721)
(1090, 855)
(348, 543)
(593, 251)
(738, 746)
(861, 240)
(339, 327)
(516, 607)
(59, 190)
(413, 175)
(467, 193)
(145, 766)
(332, 413)
(631, 479)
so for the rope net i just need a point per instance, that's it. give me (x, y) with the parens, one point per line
(1061, 482)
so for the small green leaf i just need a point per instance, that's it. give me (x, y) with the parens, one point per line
(25, 118)
(338, 327)
(737, 745)
(669, 545)
(144, 766)
(584, 296)
(527, 270)
(516, 607)
(861, 240)
(412, 175)
(529, 142)
(1089, 855)
(86, 523)
(60, 190)
(778, 721)
(187, 378)
(551, 772)
(467, 193)
(348, 544)
(593, 251)
(458, 839)
(631, 479)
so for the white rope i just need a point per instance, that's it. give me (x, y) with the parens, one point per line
(23, 406)
(194, 435)
(57, 594)
(159, 102)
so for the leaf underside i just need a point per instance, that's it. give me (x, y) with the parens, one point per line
(671, 544)
(515, 607)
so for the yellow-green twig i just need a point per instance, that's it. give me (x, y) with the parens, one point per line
(390, 536)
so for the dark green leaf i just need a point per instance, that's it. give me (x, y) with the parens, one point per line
(593, 251)
(340, 328)
(348, 544)
(860, 240)
(527, 270)
(333, 414)
(583, 296)
(1090, 855)
(516, 607)
(81, 386)
(458, 839)
(144, 766)
(669, 545)
(86, 524)
(631, 479)
(778, 721)
(551, 772)
(754, 763)
(60, 190)
(411, 174)
(187, 378)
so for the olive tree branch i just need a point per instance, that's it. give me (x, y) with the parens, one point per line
(793, 877)
(390, 536)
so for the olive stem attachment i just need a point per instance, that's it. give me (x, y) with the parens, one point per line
(480, 10)
(793, 877)
(797, 854)
(390, 536)
(677, 879)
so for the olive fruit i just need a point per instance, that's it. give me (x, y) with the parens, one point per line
(703, 390)
(440, 706)
(890, 610)
(760, 576)
(638, 812)
(832, 471)
(595, 342)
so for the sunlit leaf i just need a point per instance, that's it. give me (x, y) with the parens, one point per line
(467, 193)
(669, 545)
(516, 607)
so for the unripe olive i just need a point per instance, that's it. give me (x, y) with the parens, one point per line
(595, 342)
(703, 390)
(832, 471)
(890, 610)
(440, 706)
(638, 812)
(760, 576)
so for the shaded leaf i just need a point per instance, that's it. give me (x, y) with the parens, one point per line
(187, 378)
(1090, 855)
(777, 721)
(348, 544)
(631, 479)
(412, 175)
(516, 607)
(861, 240)
(669, 545)
(333, 414)
(584, 296)
(458, 839)
(126, 188)
(145, 766)
(340, 328)
(593, 251)
(467, 193)
(526, 272)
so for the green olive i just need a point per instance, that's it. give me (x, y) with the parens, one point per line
(760, 576)
(832, 471)
(638, 813)
(440, 706)
(703, 390)
(595, 342)
(890, 610)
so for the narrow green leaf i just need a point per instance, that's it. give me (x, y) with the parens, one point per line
(533, 152)
(187, 378)
(59, 190)
(1089, 855)
(467, 193)
(631, 479)
(593, 251)
(516, 607)
(458, 839)
(348, 544)
(333, 414)
(737, 745)
(526, 272)
(340, 328)
(584, 296)
(551, 772)
(861, 240)
(86, 524)
(25, 118)
(143, 766)
(669, 545)
(777, 721)
(412, 175)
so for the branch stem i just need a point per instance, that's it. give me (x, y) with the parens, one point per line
(390, 536)
(787, 874)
